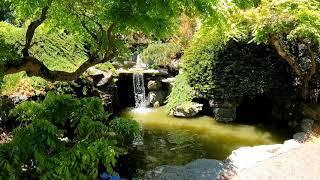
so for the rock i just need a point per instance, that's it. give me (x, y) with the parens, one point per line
(154, 85)
(100, 78)
(201, 169)
(306, 125)
(156, 98)
(18, 98)
(300, 137)
(156, 104)
(187, 110)
(225, 114)
(224, 111)
(246, 157)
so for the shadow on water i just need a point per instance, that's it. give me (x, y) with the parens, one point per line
(177, 141)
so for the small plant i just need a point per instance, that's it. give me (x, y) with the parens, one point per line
(160, 54)
(181, 93)
(126, 129)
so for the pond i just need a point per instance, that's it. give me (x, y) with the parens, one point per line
(176, 141)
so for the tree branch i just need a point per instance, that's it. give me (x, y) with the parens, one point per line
(32, 28)
(33, 67)
(275, 41)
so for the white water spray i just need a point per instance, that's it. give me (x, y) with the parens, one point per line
(139, 88)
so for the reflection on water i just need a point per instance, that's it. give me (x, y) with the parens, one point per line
(176, 141)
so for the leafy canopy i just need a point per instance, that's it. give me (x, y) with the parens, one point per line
(295, 22)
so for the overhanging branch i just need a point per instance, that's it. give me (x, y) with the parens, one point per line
(34, 67)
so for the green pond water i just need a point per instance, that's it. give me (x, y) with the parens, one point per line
(176, 141)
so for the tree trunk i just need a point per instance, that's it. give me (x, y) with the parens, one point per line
(304, 77)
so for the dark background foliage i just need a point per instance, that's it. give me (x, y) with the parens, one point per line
(239, 69)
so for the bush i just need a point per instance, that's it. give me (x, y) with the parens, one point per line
(217, 67)
(59, 138)
(160, 54)
(126, 130)
(181, 93)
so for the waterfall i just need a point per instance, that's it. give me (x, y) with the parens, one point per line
(139, 90)
(138, 87)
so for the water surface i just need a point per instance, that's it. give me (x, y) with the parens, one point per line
(176, 141)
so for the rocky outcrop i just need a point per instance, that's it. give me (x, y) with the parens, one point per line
(156, 98)
(201, 169)
(240, 159)
(154, 85)
(246, 157)
(187, 110)
(224, 111)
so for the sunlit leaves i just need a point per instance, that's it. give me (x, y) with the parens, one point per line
(60, 137)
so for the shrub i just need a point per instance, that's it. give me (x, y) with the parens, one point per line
(126, 130)
(217, 67)
(160, 53)
(59, 138)
(181, 93)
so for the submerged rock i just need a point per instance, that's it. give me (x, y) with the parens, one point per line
(201, 169)
(187, 110)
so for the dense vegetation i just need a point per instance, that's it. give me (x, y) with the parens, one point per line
(229, 49)
(62, 138)
(291, 28)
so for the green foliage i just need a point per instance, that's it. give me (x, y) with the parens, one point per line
(199, 58)
(160, 53)
(181, 93)
(216, 70)
(296, 19)
(234, 70)
(126, 129)
(6, 13)
(61, 138)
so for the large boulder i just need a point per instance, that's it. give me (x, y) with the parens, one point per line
(246, 157)
(187, 110)
(154, 85)
(156, 98)
(201, 169)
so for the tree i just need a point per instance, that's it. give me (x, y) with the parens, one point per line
(99, 26)
(291, 27)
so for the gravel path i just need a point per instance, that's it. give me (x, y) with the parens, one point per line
(300, 164)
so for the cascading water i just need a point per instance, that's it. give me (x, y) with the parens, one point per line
(139, 90)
